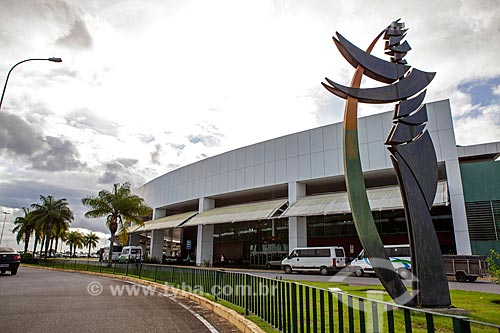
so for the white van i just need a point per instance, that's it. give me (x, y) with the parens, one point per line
(323, 259)
(399, 255)
(130, 253)
(117, 250)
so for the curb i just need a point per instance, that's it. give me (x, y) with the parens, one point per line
(243, 324)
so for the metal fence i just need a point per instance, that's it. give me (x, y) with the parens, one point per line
(289, 306)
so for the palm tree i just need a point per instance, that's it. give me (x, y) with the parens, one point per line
(75, 240)
(118, 206)
(50, 212)
(60, 229)
(24, 228)
(91, 240)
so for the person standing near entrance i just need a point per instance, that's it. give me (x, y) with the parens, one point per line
(138, 257)
(222, 258)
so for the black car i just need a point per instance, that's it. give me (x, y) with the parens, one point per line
(9, 260)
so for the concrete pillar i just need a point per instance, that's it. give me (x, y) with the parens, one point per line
(156, 249)
(205, 237)
(205, 245)
(457, 201)
(297, 226)
(133, 239)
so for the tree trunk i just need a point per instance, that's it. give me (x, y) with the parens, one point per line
(41, 246)
(110, 259)
(88, 255)
(34, 246)
(26, 241)
(51, 243)
(48, 233)
(57, 243)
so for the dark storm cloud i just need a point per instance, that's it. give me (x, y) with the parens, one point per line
(19, 138)
(78, 37)
(86, 119)
(21, 193)
(58, 155)
(120, 170)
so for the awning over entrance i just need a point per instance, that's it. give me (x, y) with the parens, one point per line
(254, 211)
(383, 198)
(167, 222)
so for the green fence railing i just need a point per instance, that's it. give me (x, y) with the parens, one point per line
(288, 306)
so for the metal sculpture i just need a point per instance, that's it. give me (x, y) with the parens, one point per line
(413, 158)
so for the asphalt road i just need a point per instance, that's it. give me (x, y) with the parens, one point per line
(482, 285)
(39, 300)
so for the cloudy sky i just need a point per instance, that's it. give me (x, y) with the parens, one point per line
(148, 86)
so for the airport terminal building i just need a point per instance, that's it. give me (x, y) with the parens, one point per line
(255, 203)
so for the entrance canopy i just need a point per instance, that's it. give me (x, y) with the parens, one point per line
(171, 221)
(254, 211)
(383, 198)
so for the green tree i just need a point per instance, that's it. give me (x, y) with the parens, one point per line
(493, 267)
(48, 214)
(119, 207)
(24, 227)
(75, 240)
(91, 240)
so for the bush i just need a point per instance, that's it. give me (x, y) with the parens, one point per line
(26, 255)
(493, 267)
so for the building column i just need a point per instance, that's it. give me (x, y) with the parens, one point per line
(134, 239)
(457, 201)
(297, 226)
(156, 249)
(205, 237)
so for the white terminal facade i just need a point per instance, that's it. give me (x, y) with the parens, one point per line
(258, 202)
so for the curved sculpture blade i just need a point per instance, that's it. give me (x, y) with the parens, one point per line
(404, 108)
(405, 47)
(420, 157)
(394, 40)
(406, 87)
(418, 118)
(430, 282)
(375, 68)
(402, 133)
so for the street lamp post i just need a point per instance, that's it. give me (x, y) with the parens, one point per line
(7, 80)
(4, 219)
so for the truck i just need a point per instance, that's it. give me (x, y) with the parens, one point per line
(465, 268)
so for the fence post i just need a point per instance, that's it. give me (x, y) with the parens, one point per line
(216, 289)
(156, 271)
(247, 285)
(294, 307)
(126, 269)
(461, 325)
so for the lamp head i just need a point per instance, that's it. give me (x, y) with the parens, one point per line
(55, 59)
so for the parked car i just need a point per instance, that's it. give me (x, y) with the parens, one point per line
(325, 260)
(9, 260)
